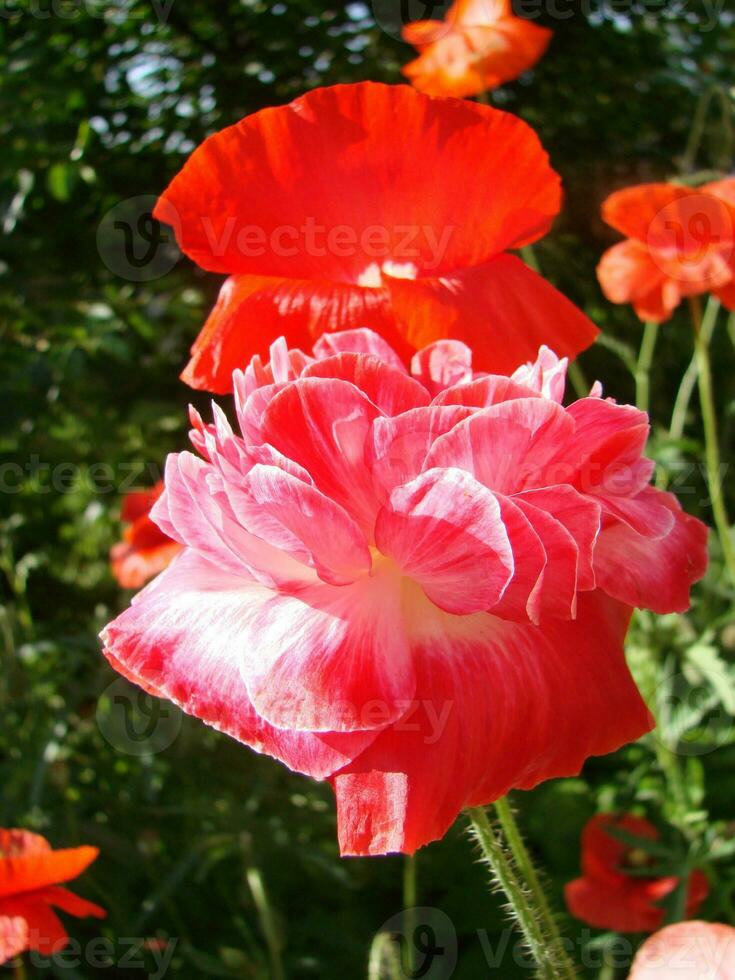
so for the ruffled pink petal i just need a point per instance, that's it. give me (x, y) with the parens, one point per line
(359, 341)
(297, 518)
(322, 424)
(579, 515)
(507, 446)
(388, 388)
(442, 364)
(183, 639)
(484, 392)
(547, 375)
(397, 448)
(556, 591)
(498, 705)
(521, 600)
(329, 658)
(653, 573)
(445, 531)
(193, 513)
(603, 455)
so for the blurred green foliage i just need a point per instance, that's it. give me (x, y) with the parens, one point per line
(203, 842)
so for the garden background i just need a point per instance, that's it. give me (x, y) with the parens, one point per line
(207, 846)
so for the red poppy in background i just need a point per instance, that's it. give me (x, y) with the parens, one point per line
(681, 242)
(479, 45)
(145, 550)
(372, 205)
(609, 895)
(687, 951)
(415, 584)
(30, 889)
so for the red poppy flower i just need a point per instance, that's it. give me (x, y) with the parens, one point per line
(479, 46)
(681, 242)
(609, 895)
(30, 888)
(326, 221)
(414, 584)
(687, 951)
(145, 550)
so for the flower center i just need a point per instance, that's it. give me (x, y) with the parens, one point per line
(372, 276)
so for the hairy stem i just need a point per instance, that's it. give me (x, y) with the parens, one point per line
(506, 855)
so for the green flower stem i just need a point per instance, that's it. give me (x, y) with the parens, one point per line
(525, 865)
(643, 366)
(267, 922)
(711, 446)
(689, 380)
(410, 892)
(505, 853)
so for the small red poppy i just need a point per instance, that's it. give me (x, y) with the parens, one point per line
(609, 895)
(681, 242)
(30, 889)
(372, 206)
(145, 550)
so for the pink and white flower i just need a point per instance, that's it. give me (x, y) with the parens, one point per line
(413, 584)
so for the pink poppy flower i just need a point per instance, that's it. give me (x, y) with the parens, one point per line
(687, 951)
(415, 585)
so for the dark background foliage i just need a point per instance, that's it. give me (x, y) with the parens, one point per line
(204, 842)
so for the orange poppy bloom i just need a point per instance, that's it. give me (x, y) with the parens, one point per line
(479, 46)
(30, 877)
(145, 550)
(375, 206)
(681, 242)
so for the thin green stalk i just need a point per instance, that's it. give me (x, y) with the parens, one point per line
(643, 366)
(267, 922)
(711, 445)
(696, 131)
(536, 924)
(579, 381)
(410, 891)
(19, 969)
(689, 380)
